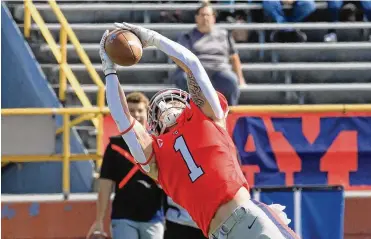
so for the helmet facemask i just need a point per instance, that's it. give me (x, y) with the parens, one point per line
(164, 109)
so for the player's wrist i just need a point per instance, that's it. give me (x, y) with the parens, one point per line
(109, 72)
(156, 39)
(99, 221)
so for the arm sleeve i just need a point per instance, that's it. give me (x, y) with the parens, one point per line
(178, 51)
(223, 103)
(117, 111)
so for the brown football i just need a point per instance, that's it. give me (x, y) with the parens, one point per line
(123, 47)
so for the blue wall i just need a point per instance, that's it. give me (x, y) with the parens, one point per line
(315, 212)
(24, 85)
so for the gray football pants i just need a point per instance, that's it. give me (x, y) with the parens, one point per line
(254, 220)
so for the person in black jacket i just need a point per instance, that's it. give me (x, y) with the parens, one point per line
(137, 207)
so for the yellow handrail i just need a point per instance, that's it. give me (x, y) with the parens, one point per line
(27, 19)
(65, 72)
(301, 108)
(89, 66)
(233, 109)
(32, 13)
(54, 111)
(66, 155)
(80, 51)
(62, 76)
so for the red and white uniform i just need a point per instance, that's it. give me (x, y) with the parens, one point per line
(197, 164)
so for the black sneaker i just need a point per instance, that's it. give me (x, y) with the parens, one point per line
(288, 36)
(300, 36)
(278, 36)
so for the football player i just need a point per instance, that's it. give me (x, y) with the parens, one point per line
(190, 152)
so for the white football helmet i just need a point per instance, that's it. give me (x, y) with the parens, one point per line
(164, 109)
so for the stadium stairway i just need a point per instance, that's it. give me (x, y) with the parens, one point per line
(312, 72)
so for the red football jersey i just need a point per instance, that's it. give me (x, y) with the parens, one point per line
(197, 164)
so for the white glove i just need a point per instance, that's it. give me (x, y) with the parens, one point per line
(278, 209)
(146, 36)
(108, 66)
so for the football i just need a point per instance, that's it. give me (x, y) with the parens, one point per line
(123, 47)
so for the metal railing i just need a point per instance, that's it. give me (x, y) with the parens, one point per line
(301, 87)
(65, 73)
(161, 7)
(94, 47)
(294, 66)
(229, 26)
(66, 155)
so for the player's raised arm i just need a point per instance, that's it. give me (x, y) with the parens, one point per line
(199, 84)
(134, 134)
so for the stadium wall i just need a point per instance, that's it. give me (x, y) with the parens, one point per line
(25, 86)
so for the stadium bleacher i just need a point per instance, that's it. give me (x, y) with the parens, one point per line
(276, 73)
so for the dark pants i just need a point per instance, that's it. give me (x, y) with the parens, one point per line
(300, 10)
(334, 8)
(223, 81)
(178, 231)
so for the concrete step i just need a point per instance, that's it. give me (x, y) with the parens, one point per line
(249, 53)
(259, 73)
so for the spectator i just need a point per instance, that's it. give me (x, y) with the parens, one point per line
(216, 50)
(179, 224)
(234, 16)
(137, 207)
(300, 11)
(239, 35)
(334, 8)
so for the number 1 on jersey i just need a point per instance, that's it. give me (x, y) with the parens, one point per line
(195, 171)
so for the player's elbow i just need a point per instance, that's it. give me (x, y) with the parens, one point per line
(194, 62)
(188, 62)
(189, 57)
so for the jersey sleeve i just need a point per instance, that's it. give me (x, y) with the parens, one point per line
(223, 103)
(156, 147)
